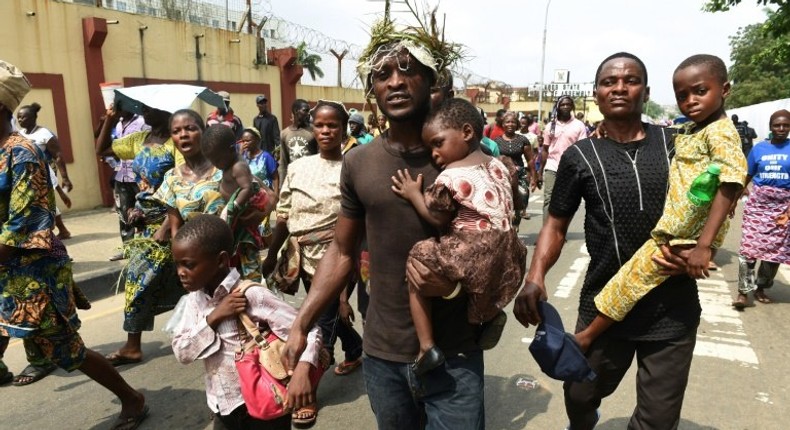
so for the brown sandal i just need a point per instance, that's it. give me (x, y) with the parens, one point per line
(305, 416)
(741, 302)
(347, 367)
(760, 296)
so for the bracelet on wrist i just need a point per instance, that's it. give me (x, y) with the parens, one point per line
(455, 292)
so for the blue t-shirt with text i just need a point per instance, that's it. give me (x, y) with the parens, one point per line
(769, 164)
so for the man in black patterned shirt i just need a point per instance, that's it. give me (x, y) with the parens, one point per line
(623, 181)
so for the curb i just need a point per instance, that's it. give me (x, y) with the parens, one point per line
(100, 284)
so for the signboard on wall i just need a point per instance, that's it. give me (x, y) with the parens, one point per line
(562, 76)
(578, 89)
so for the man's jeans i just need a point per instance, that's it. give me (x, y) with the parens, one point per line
(449, 397)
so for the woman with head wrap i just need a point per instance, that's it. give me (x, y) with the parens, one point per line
(765, 215)
(563, 131)
(36, 282)
(308, 210)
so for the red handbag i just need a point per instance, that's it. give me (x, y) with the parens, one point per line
(262, 375)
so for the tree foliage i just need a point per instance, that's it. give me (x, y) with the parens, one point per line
(309, 61)
(654, 110)
(760, 68)
(778, 22)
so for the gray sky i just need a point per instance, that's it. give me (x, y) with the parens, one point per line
(503, 37)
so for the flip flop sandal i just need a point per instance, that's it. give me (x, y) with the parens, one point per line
(35, 373)
(347, 367)
(760, 296)
(118, 360)
(305, 416)
(131, 423)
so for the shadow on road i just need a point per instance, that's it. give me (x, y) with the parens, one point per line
(151, 350)
(509, 407)
(621, 423)
(336, 390)
(170, 409)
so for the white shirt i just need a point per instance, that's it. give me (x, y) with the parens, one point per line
(40, 136)
(194, 339)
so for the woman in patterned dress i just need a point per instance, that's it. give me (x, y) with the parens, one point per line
(263, 166)
(36, 282)
(151, 286)
(42, 137)
(308, 209)
(765, 228)
(518, 148)
(262, 163)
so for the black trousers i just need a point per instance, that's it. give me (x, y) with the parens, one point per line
(125, 193)
(660, 381)
(332, 329)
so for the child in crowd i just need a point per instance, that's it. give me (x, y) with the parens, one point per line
(242, 192)
(701, 85)
(209, 329)
(239, 187)
(472, 201)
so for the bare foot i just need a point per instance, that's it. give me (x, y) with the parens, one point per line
(133, 407)
(64, 234)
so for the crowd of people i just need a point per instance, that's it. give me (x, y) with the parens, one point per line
(206, 203)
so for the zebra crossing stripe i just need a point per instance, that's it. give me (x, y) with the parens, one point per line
(721, 334)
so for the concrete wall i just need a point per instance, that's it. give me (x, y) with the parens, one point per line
(351, 97)
(50, 47)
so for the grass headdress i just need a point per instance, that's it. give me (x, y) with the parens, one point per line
(424, 41)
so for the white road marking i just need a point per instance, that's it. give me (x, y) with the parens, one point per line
(572, 277)
(721, 331)
(784, 270)
(724, 338)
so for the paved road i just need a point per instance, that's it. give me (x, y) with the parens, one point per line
(738, 380)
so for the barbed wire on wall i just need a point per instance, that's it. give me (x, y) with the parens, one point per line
(314, 39)
(231, 15)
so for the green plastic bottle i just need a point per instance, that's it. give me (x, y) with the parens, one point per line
(704, 187)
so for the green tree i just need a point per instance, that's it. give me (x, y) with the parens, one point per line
(760, 68)
(654, 110)
(778, 22)
(309, 61)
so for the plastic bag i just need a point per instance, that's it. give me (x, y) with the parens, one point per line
(175, 321)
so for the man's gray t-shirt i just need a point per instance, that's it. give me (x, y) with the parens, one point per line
(393, 227)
